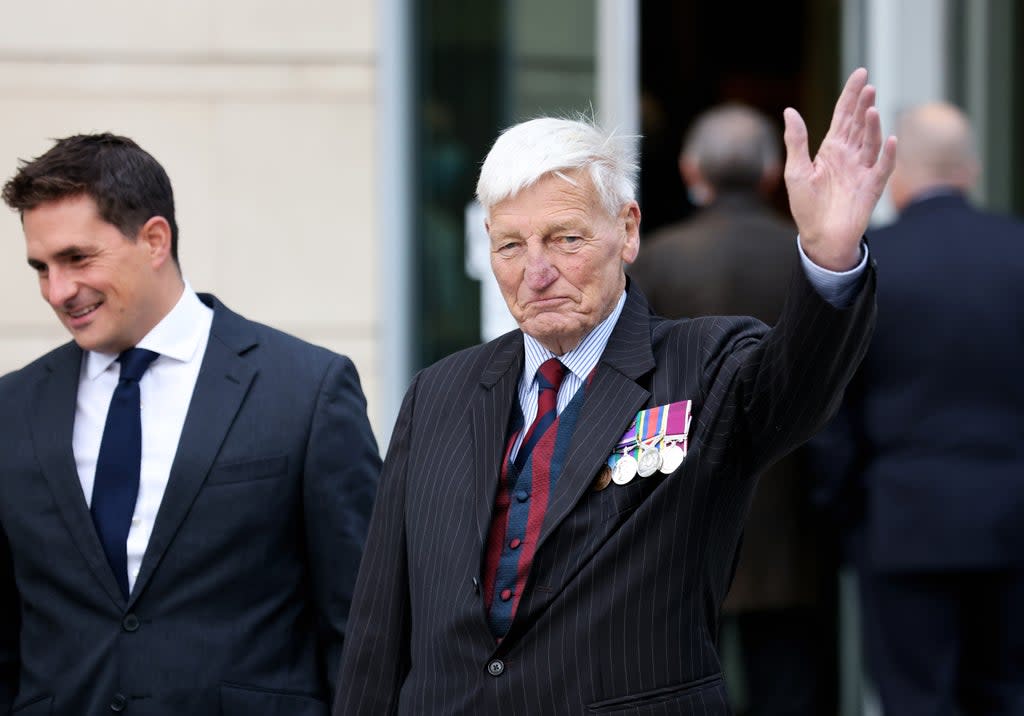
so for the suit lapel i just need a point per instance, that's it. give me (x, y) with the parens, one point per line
(490, 416)
(612, 400)
(52, 420)
(224, 380)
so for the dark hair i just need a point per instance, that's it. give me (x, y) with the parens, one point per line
(128, 185)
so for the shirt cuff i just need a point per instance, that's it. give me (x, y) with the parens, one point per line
(837, 287)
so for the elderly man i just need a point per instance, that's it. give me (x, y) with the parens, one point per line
(560, 508)
(934, 423)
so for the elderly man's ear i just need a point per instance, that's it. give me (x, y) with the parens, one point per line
(631, 220)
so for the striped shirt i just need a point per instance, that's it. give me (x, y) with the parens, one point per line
(579, 362)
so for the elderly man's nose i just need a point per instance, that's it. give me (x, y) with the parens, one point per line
(540, 272)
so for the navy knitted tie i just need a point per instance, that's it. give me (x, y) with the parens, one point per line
(116, 486)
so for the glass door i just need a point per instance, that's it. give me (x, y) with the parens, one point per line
(479, 67)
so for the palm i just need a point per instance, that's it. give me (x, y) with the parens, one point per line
(832, 197)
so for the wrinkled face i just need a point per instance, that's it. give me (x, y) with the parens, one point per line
(560, 259)
(102, 286)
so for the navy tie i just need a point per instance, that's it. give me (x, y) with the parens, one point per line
(116, 486)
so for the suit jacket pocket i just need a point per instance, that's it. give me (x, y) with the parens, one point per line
(42, 706)
(241, 700)
(619, 500)
(704, 696)
(248, 470)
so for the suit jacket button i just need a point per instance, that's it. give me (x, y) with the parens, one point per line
(496, 667)
(119, 703)
(130, 623)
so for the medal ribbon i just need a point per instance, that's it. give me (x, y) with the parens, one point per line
(663, 423)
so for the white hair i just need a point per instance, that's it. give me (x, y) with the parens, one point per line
(526, 152)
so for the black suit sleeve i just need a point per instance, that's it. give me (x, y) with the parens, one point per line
(377, 658)
(10, 617)
(340, 479)
(789, 383)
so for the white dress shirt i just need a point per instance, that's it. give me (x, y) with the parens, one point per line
(166, 389)
(838, 288)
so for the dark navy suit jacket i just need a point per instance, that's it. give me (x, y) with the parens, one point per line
(241, 602)
(933, 425)
(620, 612)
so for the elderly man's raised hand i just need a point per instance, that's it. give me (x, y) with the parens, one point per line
(832, 197)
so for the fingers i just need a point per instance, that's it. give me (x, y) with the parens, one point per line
(886, 162)
(847, 102)
(858, 121)
(871, 137)
(798, 159)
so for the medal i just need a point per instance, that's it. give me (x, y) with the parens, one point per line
(671, 458)
(604, 477)
(651, 426)
(649, 462)
(657, 441)
(625, 470)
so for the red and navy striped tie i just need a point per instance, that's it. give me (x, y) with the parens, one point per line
(549, 380)
(515, 525)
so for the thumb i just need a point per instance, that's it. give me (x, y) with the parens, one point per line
(798, 160)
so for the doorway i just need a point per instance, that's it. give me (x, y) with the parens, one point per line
(695, 54)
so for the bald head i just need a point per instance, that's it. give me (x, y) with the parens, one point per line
(730, 147)
(936, 151)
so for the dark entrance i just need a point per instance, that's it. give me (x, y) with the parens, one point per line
(695, 54)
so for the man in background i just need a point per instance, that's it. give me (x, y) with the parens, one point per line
(934, 422)
(735, 257)
(184, 493)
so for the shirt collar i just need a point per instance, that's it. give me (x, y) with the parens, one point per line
(581, 359)
(177, 336)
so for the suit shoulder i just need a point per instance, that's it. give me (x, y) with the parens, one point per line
(275, 347)
(1005, 224)
(285, 341)
(712, 341)
(470, 362)
(35, 370)
(707, 330)
(949, 229)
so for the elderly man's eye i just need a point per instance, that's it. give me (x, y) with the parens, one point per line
(509, 248)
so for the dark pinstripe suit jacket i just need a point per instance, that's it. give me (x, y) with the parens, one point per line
(621, 609)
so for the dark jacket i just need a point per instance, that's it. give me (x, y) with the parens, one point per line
(934, 421)
(241, 602)
(620, 612)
